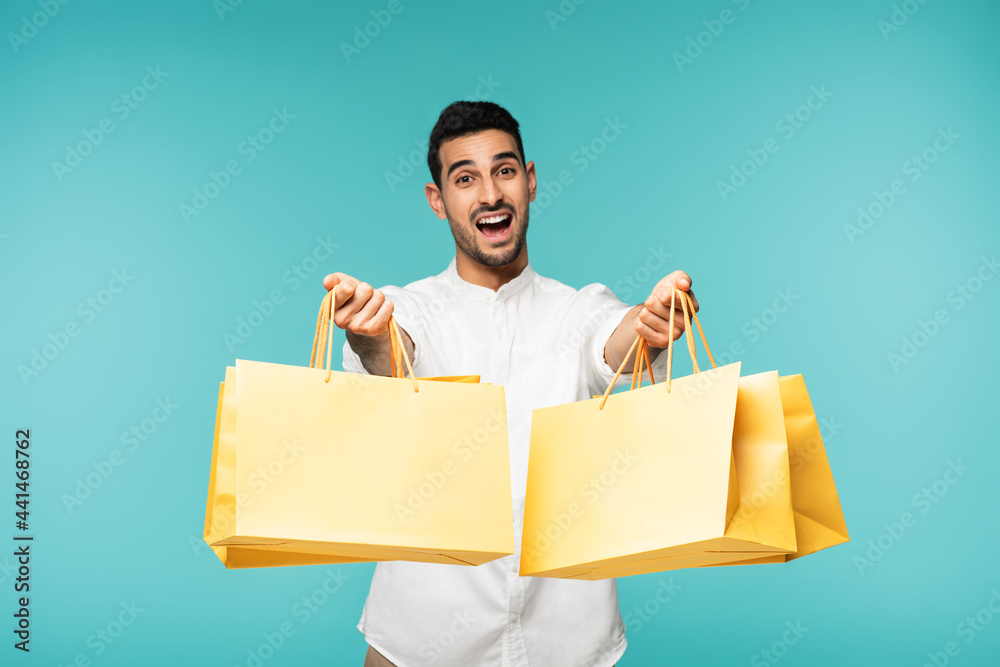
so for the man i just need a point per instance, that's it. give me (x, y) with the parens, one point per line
(490, 314)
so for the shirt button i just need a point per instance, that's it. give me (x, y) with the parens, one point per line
(513, 618)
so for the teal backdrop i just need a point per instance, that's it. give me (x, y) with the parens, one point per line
(826, 172)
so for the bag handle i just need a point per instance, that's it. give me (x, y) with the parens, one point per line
(323, 343)
(642, 354)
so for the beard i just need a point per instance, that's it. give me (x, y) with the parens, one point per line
(466, 239)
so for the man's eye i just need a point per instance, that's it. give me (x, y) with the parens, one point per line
(463, 179)
(509, 170)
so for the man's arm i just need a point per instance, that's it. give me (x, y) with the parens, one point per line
(651, 320)
(364, 312)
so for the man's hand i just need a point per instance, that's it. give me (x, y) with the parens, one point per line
(364, 312)
(651, 320)
(358, 307)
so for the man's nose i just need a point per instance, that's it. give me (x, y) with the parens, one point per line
(489, 194)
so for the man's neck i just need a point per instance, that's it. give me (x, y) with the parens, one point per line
(493, 277)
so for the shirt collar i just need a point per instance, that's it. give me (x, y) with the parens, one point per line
(480, 293)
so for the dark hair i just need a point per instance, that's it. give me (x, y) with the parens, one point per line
(462, 118)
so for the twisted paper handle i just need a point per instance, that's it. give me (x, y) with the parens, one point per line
(323, 343)
(642, 354)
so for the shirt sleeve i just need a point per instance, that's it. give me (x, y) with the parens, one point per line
(599, 373)
(605, 311)
(407, 313)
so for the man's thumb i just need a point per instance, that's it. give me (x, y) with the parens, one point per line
(330, 281)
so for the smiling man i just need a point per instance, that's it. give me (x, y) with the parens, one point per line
(489, 313)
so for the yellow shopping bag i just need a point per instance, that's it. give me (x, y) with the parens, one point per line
(819, 519)
(316, 466)
(654, 480)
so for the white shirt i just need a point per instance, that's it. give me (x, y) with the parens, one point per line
(544, 342)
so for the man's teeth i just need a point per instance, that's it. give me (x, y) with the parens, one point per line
(493, 220)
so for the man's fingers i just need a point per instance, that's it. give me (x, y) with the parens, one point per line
(679, 279)
(362, 293)
(675, 280)
(663, 295)
(337, 278)
(354, 299)
(663, 292)
(380, 320)
(653, 338)
(659, 303)
(362, 322)
(694, 300)
(344, 283)
(344, 293)
(656, 328)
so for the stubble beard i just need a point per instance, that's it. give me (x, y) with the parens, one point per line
(465, 239)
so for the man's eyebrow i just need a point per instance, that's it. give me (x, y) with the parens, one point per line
(496, 158)
(505, 155)
(456, 165)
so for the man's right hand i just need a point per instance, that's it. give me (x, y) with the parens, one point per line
(364, 313)
(359, 308)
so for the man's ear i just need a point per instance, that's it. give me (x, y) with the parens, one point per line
(433, 195)
(529, 169)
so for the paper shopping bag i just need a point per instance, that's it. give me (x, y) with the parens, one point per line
(316, 466)
(223, 498)
(655, 480)
(764, 512)
(819, 519)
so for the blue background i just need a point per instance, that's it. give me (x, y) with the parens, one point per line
(857, 296)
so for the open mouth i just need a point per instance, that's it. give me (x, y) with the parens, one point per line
(494, 226)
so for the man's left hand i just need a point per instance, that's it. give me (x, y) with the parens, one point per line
(653, 322)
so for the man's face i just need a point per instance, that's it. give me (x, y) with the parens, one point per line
(484, 194)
